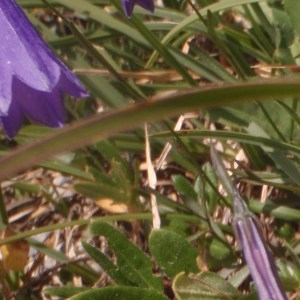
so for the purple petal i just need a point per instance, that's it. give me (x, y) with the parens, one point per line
(259, 260)
(128, 5)
(33, 79)
(43, 107)
(249, 235)
(13, 121)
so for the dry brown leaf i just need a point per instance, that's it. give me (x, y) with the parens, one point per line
(15, 254)
(111, 206)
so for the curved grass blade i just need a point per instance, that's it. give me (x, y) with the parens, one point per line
(219, 6)
(107, 124)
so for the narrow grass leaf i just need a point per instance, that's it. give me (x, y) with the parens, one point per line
(104, 125)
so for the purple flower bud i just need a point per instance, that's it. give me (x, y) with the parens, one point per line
(128, 5)
(259, 260)
(33, 79)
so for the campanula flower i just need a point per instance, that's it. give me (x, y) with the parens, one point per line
(32, 79)
(256, 254)
(128, 5)
(249, 235)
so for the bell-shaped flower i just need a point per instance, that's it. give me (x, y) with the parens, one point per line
(257, 255)
(128, 5)
(32, 79)
(249, 235)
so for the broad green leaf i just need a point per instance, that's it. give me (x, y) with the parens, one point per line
(120, 293)
(204, 286)
(130, 259)
(289, 274)
(180, 256)
(292, 8)
(65, 291)
(184, 187)
(220, 252)
(116, 273)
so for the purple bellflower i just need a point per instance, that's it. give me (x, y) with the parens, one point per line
(256, 254)
(128, 5)
(249, 235)
(33, 79)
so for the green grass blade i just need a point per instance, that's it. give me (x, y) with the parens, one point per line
(107, 124)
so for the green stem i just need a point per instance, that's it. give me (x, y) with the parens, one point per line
(3, 213)
(27, 234)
